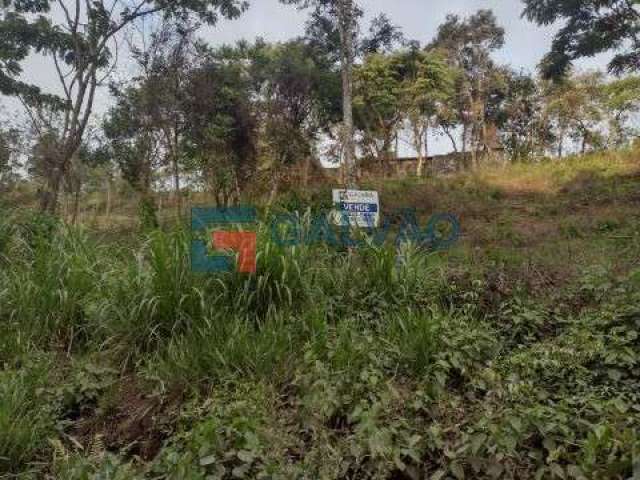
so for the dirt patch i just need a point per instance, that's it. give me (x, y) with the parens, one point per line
(133, 422)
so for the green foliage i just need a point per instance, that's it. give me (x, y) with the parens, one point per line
(51, 275)
(375, 363)
(377, 106)
(76, 467)
(24, 34)
(231, 436)
(26, 417)
(155, 290)
(6, 232)
(587, 32)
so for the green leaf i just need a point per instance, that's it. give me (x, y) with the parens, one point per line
(574, 471)
(209, 460)
(495, 470)
(477, 441)
(246, 456)
(438, 475)
(457, 471)
(557, 470)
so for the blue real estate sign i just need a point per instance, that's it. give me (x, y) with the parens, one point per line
(356, 208)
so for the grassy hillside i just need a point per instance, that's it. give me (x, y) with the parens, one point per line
(514, 354)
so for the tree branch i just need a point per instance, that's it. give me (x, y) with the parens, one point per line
(61, 76)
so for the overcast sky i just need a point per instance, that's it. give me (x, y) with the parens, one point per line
(525, 45)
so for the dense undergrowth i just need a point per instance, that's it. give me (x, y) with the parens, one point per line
(120, 363)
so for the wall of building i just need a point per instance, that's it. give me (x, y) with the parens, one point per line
(434, 165)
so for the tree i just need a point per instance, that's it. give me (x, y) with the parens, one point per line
(293, 102)
(588, 115)
(427, 86)
(166, 66)
(221, 134)
(591, 27)
(19, 36)
(383, 37)
(327, 32)
(524, 127)
(559, 111)
(345, 12)
(378, 102)
(346, 21)
(135, 144)
(81, 47)
(574, 107)
(468, 44)
(9, 156)
(622, 101)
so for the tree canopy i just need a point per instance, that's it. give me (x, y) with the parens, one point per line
(590, 27)
(81, 41)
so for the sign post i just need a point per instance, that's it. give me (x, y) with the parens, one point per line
(356, 208)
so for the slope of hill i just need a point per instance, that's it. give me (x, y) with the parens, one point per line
(514, 354)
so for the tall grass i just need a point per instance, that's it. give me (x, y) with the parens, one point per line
(376, 360)
(47, 279)
(26, 418)
(148, 295)
(63, 291)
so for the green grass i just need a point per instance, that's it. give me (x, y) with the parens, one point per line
(27, 419)
(513, 355)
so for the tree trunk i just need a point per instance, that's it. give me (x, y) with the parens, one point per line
(238, 190)
(49, 196)
(454, 144)
(561, 142)
(76, 201)
(345, 11)
(465, 137)
(476, 133)
(397, 151)
(420, 168)
(385, 159)
(147, 211)
(423, 158)
(474, 149)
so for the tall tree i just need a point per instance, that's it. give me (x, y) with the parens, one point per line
(221, 134)
(343, 14)
(166, 65)
(346, 21)
(379, 107)
(524, 126)
(9, 155)
(468, 44)
(590, 27)
(135, 144)
(427, 86)
(574, 107)
(588, 115)
(622, 102)
(81, 47)
(293, 105)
